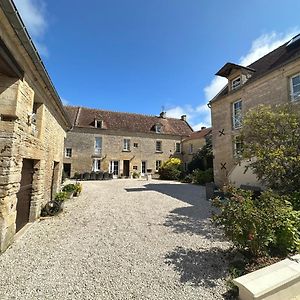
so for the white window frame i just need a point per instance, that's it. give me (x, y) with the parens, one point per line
(97, 148)
(236, 86)
(126, 144)
(235, 116)
(293, 97)
(100, 122)
(144, 162)
(68, 155)
(96, 165)
(237, 140)
(158, 164)
(112, 168)
(191, 148)
(158, 128)
(176, 150)
(156, 148)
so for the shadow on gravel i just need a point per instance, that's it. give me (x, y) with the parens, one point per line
(199, 268)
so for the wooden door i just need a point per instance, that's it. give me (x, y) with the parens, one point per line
(126, 167)
(24, 194)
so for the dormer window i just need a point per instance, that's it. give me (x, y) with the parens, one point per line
(158, 128)
(98, 123)
(236, 83)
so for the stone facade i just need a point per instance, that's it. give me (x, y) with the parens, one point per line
(140, 145)
(194, 143)
(270, 87)
(32, 130)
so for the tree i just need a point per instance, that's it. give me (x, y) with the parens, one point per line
(203, 159)
(271, 136)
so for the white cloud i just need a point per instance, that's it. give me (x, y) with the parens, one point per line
(33, 14)
(197, 117)
(260, 47)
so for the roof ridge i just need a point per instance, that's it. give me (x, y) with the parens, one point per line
(121, 112)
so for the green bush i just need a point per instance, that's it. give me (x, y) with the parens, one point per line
(77, 189)
(187, 179)
(135, 175)
(202, 177)
(264, 225)
(61, 196)
(171, 169)
(69, 188)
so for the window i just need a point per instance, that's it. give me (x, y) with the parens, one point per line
(135, 168)
(158, 146)
(237, 114)
(295, 88)
(191, 149)
(98, 123)
(158, 128)
(68, 152)
(143, 168)
(177, 147)
(238, 146)
(98, 145)
(157, 165)
(96, 165)
(126, 145)
(114, 167)
(135, 145)
(236, 83)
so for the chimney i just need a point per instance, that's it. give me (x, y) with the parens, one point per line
(163, 114)
(183, 118)
(203, 127)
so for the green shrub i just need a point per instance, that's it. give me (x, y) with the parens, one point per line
(202, 177)
(261, 226)
(135, 175)
(69, 188)
(61, 196)
(171, 169)
(187, 179)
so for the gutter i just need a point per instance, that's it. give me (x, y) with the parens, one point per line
(18, 25)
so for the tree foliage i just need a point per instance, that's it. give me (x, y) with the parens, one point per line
(171, 169)
(271, 137)
(203, 159)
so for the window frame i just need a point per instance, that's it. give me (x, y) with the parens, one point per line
(191, 148)
(126, 144)
(292, 88)
(98, 122)
(233, 87)
(98, 150)
(237, 140)
(176, 150)
(96, 164)
(160, 147)
(158, 162)
(66, 152)
(158, 128)
(234, 116)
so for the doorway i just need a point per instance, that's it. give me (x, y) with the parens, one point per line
(54, 179)
(144, 168)
(24, 194)
(126, 168)
(67, 170)
(114, 168)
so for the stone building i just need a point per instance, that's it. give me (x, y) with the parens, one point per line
(33, 126)
(121, 143)
(195, 142)
(273, 79)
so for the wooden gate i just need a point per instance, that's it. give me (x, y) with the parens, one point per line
(24, 194)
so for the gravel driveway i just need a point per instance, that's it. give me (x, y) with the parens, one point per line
(121, 239)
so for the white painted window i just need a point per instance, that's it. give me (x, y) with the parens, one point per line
(191, 148)
(98, 123)
(158, 146)
(157, 165)
(177, 147)
(158, 128)
(238, 146)
(295, 88)
(68, 152)
(96, 165)
(236, 83)
(126, 145)
(114, 167)
(98, 145)
(237, 114)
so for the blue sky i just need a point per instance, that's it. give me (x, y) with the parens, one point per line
(142, 55)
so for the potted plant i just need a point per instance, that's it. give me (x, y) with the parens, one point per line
(69, 189)
(77, 189)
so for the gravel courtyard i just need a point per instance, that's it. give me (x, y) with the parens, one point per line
(121, 239)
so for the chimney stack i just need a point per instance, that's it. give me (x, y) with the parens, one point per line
(203, 127)
(163, 114)
(183, 117)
